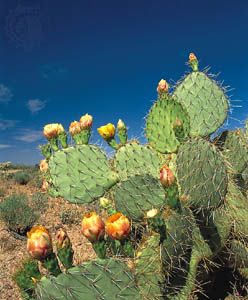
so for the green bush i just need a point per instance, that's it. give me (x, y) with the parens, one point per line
(39, 201)
(21, 177)
(17, 214)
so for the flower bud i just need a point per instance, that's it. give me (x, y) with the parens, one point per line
(167, 177)
(62, 239)
(118, 226)
(162, 86)
(45, 186)
(75, 128)
(107, 131)
(121, 125)
(104, 202)
(192, 57)
(52, 130)
(43, 165)
(39, 244)
(93, 227)
(86, 121)
(151, 213)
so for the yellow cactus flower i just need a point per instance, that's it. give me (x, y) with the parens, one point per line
(107, 131)
(118, 226)
(43, 165)
(163, 86)
(75, 128)
(39, 244)
(86, 121)
(93, 227)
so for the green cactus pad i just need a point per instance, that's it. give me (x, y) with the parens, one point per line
(161, 130)
(98, 279)
(235, 149)
(138, 194)
(201, 173)
(134, 159)
(239, 253)
(237, 210)
(149, 275)
(81, 173)
(204, 101)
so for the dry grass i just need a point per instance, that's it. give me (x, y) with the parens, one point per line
(13, 250)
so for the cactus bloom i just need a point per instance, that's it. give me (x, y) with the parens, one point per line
(75, 128)
(192, 57)
(104, 202)
(86, 121)
(118, 226)
(107, 131)
(121, 125)
(163, 86)
(52, 130)
(62, 239)
(167, 177)
(93, 227)
(43, 165)
(39, 244)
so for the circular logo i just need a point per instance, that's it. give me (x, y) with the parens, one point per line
(24, 27)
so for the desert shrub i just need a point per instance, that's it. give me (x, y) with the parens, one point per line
(39, 201)
(17, 214)
(21, 177)
(2, 192)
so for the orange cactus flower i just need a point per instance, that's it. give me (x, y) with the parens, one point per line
(192, 57)
(163, 86)
(167, 177)
(43, 165)
(62, 239)
(118, 226)
(86, 121)
(93, 227)
(52, 130)
(39, 244)
(75, 128)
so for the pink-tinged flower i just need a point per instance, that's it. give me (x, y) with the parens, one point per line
(118, 226)
(163, 86)
(93, 227)
(43, 165)
(75, 128)
(167, 177)
(39, 244)
(86, 121)
(45, 186)
(192, 57)
(62, 239)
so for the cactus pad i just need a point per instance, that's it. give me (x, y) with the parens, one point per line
(162, 130)
(81, 174)
(138, 194)
(95, 280)
(134, 159)
(204, 101)
(201, 174)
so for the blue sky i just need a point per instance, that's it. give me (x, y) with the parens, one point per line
(62, 59)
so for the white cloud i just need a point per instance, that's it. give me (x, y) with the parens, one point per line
(29, 135)
(4, 146)
(6, 124)
(5, 94)
(35, 105)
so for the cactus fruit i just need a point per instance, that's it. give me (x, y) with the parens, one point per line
(204, 101)
(201, 173)
(167, 125)
(97, 279)
(81, 174)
